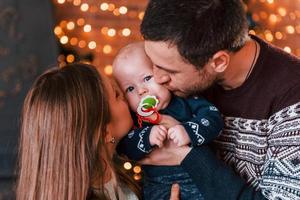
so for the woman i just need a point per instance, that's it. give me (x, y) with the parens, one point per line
(71, 120)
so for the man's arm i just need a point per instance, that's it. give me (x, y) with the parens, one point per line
(281, 171)
(210, 175)
(214, 179)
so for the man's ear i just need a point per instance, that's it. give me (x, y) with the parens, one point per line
(220, 61)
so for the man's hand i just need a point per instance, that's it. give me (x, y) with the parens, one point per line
(169, 154)
(179, 135)
(158, 135)
(175, 192)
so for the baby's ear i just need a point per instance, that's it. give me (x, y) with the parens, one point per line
(220, 61)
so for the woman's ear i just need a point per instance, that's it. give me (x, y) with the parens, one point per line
(109, 138)
(108, 134)
(220, 61)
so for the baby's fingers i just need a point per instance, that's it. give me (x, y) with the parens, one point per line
(159, 142)
(171, 134)
(163, 128)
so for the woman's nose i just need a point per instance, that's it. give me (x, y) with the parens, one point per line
(160, 76)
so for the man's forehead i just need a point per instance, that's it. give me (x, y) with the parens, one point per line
(163, 55)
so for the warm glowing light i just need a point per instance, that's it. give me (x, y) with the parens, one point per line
(70, 58)
(255, 17)
(63, 23)
(84, 7)
(141, 15)
(73, 41)
(278, 35)
(86, 62)
(282, 11)
(263, 15)
(70, 25)
(104, 30)
(137, 169)
(252, 32)
(137, 177)
(123, 10)
(76, 2)
(116, 12)
(127, 165)
(82, 44)
(290, 29)
(61, 1)
(269, 37)
(287, 49)
(64, 39)
(107, 49)
(80, 22)
(270, 1)
(273, 18)
(111, 7)
(61, 58)
(92, 45)
(87, 28)
(111, 32)
(126, 32)
(57, 30)
(104, 6)
(108, 70)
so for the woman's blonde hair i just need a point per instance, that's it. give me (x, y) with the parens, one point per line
(63, 126)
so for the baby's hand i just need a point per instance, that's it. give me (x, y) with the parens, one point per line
(158, 134)
(179, 135)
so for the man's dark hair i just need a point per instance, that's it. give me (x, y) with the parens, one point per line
(199, 28)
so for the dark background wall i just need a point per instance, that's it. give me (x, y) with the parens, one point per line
(27, 48)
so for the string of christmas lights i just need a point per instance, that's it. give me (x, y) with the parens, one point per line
(278, 22)
(101, 28)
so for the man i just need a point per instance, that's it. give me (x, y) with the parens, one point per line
(204, 46)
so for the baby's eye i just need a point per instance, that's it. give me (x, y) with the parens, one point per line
(147, 78)
(129, 89)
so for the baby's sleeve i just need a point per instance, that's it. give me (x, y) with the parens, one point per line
(206, 122)
(135, 145)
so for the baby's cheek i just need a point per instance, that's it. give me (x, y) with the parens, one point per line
(133, 105)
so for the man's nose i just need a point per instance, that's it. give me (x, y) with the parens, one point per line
(160, 76)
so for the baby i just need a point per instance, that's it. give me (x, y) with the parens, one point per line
(200, 123)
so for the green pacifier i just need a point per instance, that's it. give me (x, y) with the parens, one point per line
(147, 105)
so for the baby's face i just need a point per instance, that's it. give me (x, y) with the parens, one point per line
(135, 77)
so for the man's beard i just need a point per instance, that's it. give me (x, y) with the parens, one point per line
(204, 82)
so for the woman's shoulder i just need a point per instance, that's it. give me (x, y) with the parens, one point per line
(127, 193)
